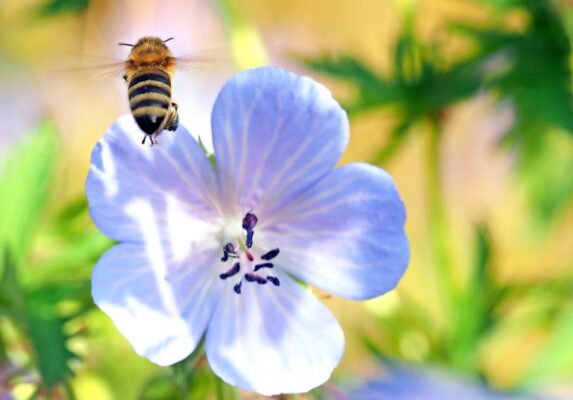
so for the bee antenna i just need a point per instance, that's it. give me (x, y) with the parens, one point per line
(125, 44)
(168, 39)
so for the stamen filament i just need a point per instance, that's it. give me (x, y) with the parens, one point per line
(249, 241)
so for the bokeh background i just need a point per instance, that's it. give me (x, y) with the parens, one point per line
(467, 103)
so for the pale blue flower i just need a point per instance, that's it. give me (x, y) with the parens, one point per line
(401, 382)
(215, 253)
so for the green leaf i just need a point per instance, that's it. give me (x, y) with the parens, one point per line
(55, 7)
(49, 342)
(46, 327)
(372, 90)
(475, 307)
(12, 302)
(536, 78)
(538, 74)
(25, 177)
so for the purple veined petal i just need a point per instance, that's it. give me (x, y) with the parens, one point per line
(345, 235)
(274, 134)
(163, 320)
(273, 339)
(196, 284)
(137, 193)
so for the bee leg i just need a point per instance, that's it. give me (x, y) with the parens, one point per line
(125, 77)
(151, 139)
(173, 118)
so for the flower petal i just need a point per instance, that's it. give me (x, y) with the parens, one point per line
(345, 235)
(274, 134)
(128, 284)
(406, 382)
(273, 339)
(131, 186)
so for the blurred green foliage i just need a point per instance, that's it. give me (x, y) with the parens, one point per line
(53, 8)
(245, 42)
(530, 69)
(40, 293)
(26, 178)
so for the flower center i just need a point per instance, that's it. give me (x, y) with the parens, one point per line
(242, 257)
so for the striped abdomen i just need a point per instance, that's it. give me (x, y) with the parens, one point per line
(150, 98)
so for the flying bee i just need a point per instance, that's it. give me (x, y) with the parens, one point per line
(148, 73)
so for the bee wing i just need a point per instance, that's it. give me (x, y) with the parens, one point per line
(101, 71)
(205, 60)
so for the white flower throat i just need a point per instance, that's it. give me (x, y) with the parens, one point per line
(241, 256)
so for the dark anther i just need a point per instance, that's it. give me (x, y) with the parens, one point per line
(269, 255)
(275, 281)
(264, 265)
(249, 242)
(237, 288)
(249, 221)
(236, 268)
(255, 278)
(250, 256)
(229, 251)
(229, 248)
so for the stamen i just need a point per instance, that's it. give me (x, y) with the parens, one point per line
(233, 271)
(249, 241)
(255, 278)
(249, 221)
(264, 265)
(229, 248)
(274, 280)
(229, 251)
(269, 255)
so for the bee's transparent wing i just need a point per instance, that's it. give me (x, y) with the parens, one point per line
(90, 70)
(208, 60)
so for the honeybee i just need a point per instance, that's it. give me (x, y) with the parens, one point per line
(148, 73)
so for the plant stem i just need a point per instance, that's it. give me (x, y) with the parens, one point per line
(438, 220)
